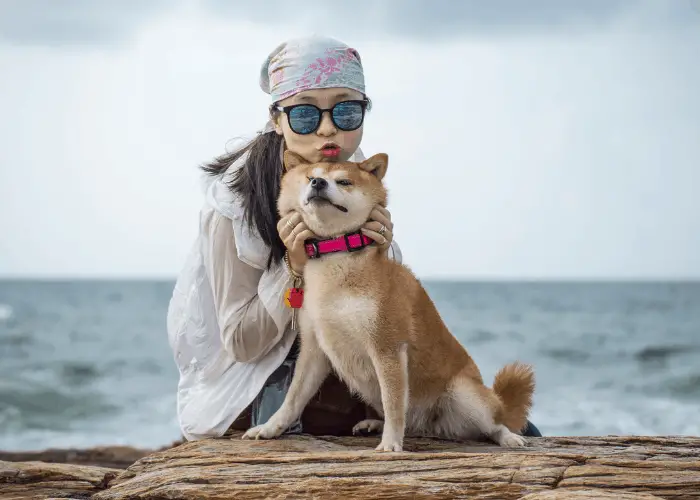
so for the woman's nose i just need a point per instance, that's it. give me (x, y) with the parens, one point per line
(327, 127)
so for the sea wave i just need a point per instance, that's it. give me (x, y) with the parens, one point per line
(6, 312)
(88, 364)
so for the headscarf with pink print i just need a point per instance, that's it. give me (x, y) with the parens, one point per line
(313, 62)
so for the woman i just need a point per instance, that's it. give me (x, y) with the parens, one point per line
(227, 323)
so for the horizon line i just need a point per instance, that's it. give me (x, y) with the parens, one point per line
(427, 278)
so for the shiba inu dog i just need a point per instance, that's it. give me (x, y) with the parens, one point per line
(368, 318)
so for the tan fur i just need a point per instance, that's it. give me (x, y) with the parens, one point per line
(514, 385)
(369, 318)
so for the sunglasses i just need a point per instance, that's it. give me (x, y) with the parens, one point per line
(305, 119)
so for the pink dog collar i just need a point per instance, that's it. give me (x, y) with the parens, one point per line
(350, 242)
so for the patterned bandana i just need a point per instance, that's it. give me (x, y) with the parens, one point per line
(314, 62)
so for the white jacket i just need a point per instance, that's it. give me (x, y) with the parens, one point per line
(227, 323)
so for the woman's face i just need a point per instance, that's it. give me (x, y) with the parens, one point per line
(327, 142)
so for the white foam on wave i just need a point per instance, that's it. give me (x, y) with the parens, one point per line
(148, 427)
(574, 413)
(6, 312)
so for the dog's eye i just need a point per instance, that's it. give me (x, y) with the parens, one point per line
(344, 182)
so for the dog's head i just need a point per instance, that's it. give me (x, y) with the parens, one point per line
(332, 198)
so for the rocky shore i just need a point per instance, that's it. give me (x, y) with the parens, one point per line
(114, 457)
(296, 467)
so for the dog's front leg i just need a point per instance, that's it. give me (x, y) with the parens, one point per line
(392, 373)
(310, 371)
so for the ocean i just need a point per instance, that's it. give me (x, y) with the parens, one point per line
(87, 363)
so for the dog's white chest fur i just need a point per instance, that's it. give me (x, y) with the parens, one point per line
(343, 322)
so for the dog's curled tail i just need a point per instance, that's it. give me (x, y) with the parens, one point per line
(514, 384)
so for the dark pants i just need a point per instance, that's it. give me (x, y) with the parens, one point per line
(333, 411)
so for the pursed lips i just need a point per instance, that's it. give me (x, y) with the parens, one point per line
(330, 150)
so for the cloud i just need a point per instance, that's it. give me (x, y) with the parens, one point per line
(460, 19)
(70, 22)
(86, 22)
(547, 156)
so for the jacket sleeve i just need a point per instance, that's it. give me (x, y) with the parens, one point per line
(249, 303)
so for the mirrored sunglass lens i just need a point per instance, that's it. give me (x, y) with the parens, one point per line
(303, 119)
(348, 115)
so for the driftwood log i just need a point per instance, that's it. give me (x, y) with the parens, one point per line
(303, 467)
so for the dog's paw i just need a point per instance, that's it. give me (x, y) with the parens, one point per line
(389, 446)
(369, 426)
(511, 440)
(265, 431)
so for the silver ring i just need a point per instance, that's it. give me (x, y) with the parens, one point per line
(289, 223)
(382, 230)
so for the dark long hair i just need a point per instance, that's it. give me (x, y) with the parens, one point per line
(258, 185)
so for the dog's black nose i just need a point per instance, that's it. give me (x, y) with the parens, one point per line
(318, 183)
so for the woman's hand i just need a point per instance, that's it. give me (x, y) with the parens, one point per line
(294, 233)
(379, 227)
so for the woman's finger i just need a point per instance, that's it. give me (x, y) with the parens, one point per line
(383, 241)
(381, 218)
(301, 237)
(375, 226)
(384, 211)
(291, 236)
(287, 225)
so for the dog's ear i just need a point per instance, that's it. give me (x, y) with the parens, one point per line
(376, 165)
(292, 160)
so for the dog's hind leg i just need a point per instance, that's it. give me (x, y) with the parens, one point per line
(504, 437)
(369, 426)
(372, 423)
(392, 373)
(478, 412)
(311, 370)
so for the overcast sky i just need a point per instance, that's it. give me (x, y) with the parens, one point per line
(540, 139)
